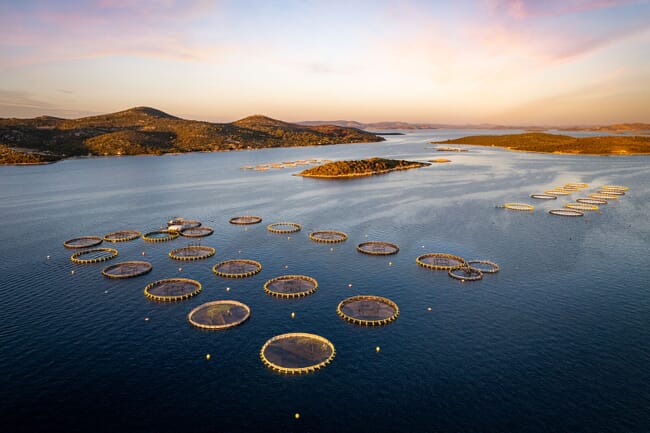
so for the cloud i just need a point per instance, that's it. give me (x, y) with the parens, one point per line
(523, 9)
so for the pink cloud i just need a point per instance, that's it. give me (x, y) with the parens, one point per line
(522, 9)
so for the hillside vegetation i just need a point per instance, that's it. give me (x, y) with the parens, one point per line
(364, 167)
(552, 143)
(144, 130)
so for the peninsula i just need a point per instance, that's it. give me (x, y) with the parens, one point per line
(147, 131)
(357, 168)
(553, 143)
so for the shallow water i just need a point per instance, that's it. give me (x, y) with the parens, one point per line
(556, 341)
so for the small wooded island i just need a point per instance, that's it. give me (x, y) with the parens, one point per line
(555, 143)
(357, 168)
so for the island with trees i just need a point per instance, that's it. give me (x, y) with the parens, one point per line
(555, 143)
(357, 168)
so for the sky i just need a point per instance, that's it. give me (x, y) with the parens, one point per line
(516, 62)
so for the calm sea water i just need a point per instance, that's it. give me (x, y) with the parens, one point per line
(559, 340)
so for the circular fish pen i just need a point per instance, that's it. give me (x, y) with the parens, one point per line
(172, 289)
(192, 252)
(246, 219)
(122, 236)
(196, 232)
(238, 268)
(557, 192)
(160, 236)
(543, 196)
(328, 236)
(291, 286)
(284, 227)
(571, 188)
(297, 353)
(611, 192)
(616, 187)
(577, 185)
(465, 273)
(83, 242)
(524, 207)
(376, 248)
(95, 255)
(591, 201)
(604, 196)
(485, 266)
(566, 212)
(127, 269)
(368, 310)
(178, 224)
(440, 261)
(581, 206)
(217, 315)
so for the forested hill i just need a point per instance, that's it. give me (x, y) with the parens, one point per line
(145, 130)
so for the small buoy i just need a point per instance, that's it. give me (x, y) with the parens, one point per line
(390, 263)
(288, 238)
(146, 319)
(239, 251)
(208, 356)
(180, 269)
(377, 349)
(331, 249)
(144, 254)
(429, 309)
(227, 289)
(286, 266)
(293, 315)
(296, 415)
(48, 257)
(71, 272)
(105, 291)
(350, 285)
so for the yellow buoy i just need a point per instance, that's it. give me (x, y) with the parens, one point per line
(377, 349)
(208, 356)
(293, 315)
(296, 415)
(288, 238)
(71, 272)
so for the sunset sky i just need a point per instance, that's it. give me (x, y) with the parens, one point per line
(517, 62)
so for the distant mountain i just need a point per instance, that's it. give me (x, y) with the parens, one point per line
(379, 126)
(145, 130)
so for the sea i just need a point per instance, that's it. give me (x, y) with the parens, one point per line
(557, 341)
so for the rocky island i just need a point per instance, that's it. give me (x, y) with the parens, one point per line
(147, 131)
(555, 143)
(357, 168)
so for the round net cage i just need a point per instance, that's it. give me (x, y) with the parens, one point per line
(519, 206)
(127, 269)
(284, 227)
(122, 236)
(218, 315)
(604, 196)
(543, 196)
(557, 192)
(571, 188)
(591, 201)
(160, 236)
(376, 248)
(368, 310)
(611, 192)
(566, 212)
(579, 185)
(291, 286)
(581, 206)
(94, 255)
(465, 273)
(485, 266)
(297, 353)
(246, 219)
(328, 236)
(196, 232)
(440, 261)
(172, 289)
(83, 242)
(192, 252)
(238, 268)
(616, 187)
